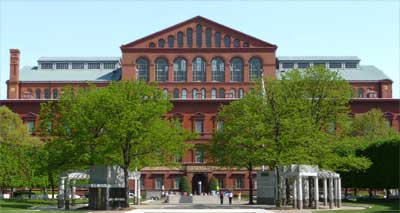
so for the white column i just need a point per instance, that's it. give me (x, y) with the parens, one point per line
(138, 195)
(295, 193)
(331, 193)
(67, 193)
(73, 192)
(306, 192)
(340, 193)
(325, 192)
(335, 191)
(300, 193)
(61, 192)
(316, 192)
(136, 190)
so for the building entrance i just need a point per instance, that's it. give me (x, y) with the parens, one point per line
(199, 184)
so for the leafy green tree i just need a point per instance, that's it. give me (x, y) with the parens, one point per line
(213, 184)
(184, 185)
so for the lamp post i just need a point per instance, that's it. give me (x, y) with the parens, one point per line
(199, 183)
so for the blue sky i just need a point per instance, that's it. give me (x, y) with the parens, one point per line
(368, 29)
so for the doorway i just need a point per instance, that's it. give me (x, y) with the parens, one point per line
(199, 178)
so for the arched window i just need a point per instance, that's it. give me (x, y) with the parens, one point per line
(208, 37)
(46, 93)
(171, 41)
(189, 37)
(213, 93)
(194, 93)
(142, 68)
(233, 93)
(37, 93)
(217, 70)
(255, 69)
(55, 93)
(184, 94)
(161, 70)
(180, 69)
(221, 93)
(180, 39)
(199, 37)
(176, 93)
(246, 44)
(161, 43)
(152, 44)
(203, 93)
(360, 93)
(217, 38)
(227, 41)
(240, 93)
(237, 70)
(199, 69)
(165, 93)
(29, 93)
(236, 43)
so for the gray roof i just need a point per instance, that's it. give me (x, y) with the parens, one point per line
(33, 74)
(318, 58)
(79, 59)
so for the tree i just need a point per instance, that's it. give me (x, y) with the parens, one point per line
(184, 185)
(213, 184)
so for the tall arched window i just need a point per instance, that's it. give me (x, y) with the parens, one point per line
(161, 70)
(176, 93)
(208, 37)
(171, 41)
(46, 93)
(213, 93)
(360, 92)
(180, 69)
(184, 94)
(29, 93)
(180, 39)
(221, 93)
(161, 43)
(165, 93)
(233, 93)
(237, 70)
(217, 38)
(236, 43)
(55, 93)
(194, 93)
(38, 93)
(189, 37)
(217, 70)
(199, 69)
(227, 41)
(142, 68)
(240, 93)
(199, 37)
(203, 93)
(255, 67)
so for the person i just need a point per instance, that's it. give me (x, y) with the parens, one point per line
(230, 195)
(221, 196)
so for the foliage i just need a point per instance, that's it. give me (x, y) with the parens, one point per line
(213, 184)
(184, 185)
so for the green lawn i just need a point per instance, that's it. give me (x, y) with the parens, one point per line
(376, 206)
(13, 206)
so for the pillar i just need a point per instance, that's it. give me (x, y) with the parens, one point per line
(331, 193)
(136, 191)
(73, 192)
(300, 193)
(227, 72)
(339, 193)
(325, 192)
(61, 192)
(67, 193)
(316, 192)
(139, 194)
(306, 191)
(295, 193)
(335, 192)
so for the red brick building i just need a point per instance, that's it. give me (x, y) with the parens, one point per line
(201, 64)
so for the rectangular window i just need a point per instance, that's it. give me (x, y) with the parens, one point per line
(142, 183)
(46, 66)
(78, 66)
(94, 65)
(288, 65)
(62, 66)
(109, 65)
(176, 183)
(220, 125)
(199, 156)
(158, 182)
(335, 65)
(303, 65)
(238, 182)
(31, 126)
(198, 126)
(351, 65)
(221, 182)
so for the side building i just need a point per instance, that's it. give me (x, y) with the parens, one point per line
(202, 65)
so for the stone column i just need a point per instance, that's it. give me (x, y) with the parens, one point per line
(136, 190)
(306, 191)
(138, 195)
(73, 192)
(335, 193)
(340, 193)
(325, 192)
(295, 193)
(300, 193)
(331, 193)
(67, 193)
(61, 189)
(316, 192)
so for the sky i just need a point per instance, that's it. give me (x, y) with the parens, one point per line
(367, 29)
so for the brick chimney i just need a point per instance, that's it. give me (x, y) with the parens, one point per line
(13, 87)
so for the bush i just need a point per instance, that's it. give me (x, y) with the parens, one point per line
(213, 184)
(184, 185)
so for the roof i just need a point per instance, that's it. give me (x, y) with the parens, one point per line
(318, 58)
(29, 73)
(78, 58)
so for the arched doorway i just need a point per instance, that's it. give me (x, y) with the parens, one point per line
(195, 183)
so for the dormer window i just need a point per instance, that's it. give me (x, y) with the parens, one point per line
(109, 65)
(94, 65)
(335, 65)
(78, 66)
(351, 65)
(62, 66)
(46, 66)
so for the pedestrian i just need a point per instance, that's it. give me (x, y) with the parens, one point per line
(230, 195)
(221, 196)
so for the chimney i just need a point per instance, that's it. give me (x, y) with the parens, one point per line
(13, 87)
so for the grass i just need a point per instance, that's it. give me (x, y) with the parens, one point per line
(377, 205)
(13, 206)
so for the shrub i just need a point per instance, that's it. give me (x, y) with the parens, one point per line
(184, 185)
(213, 184)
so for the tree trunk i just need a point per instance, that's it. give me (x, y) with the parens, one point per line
(387, 193)
(278, 183)
(370, 193)
(126, 174)
(30, 192)
(250, 170)
(346, 193)
(355, 192)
